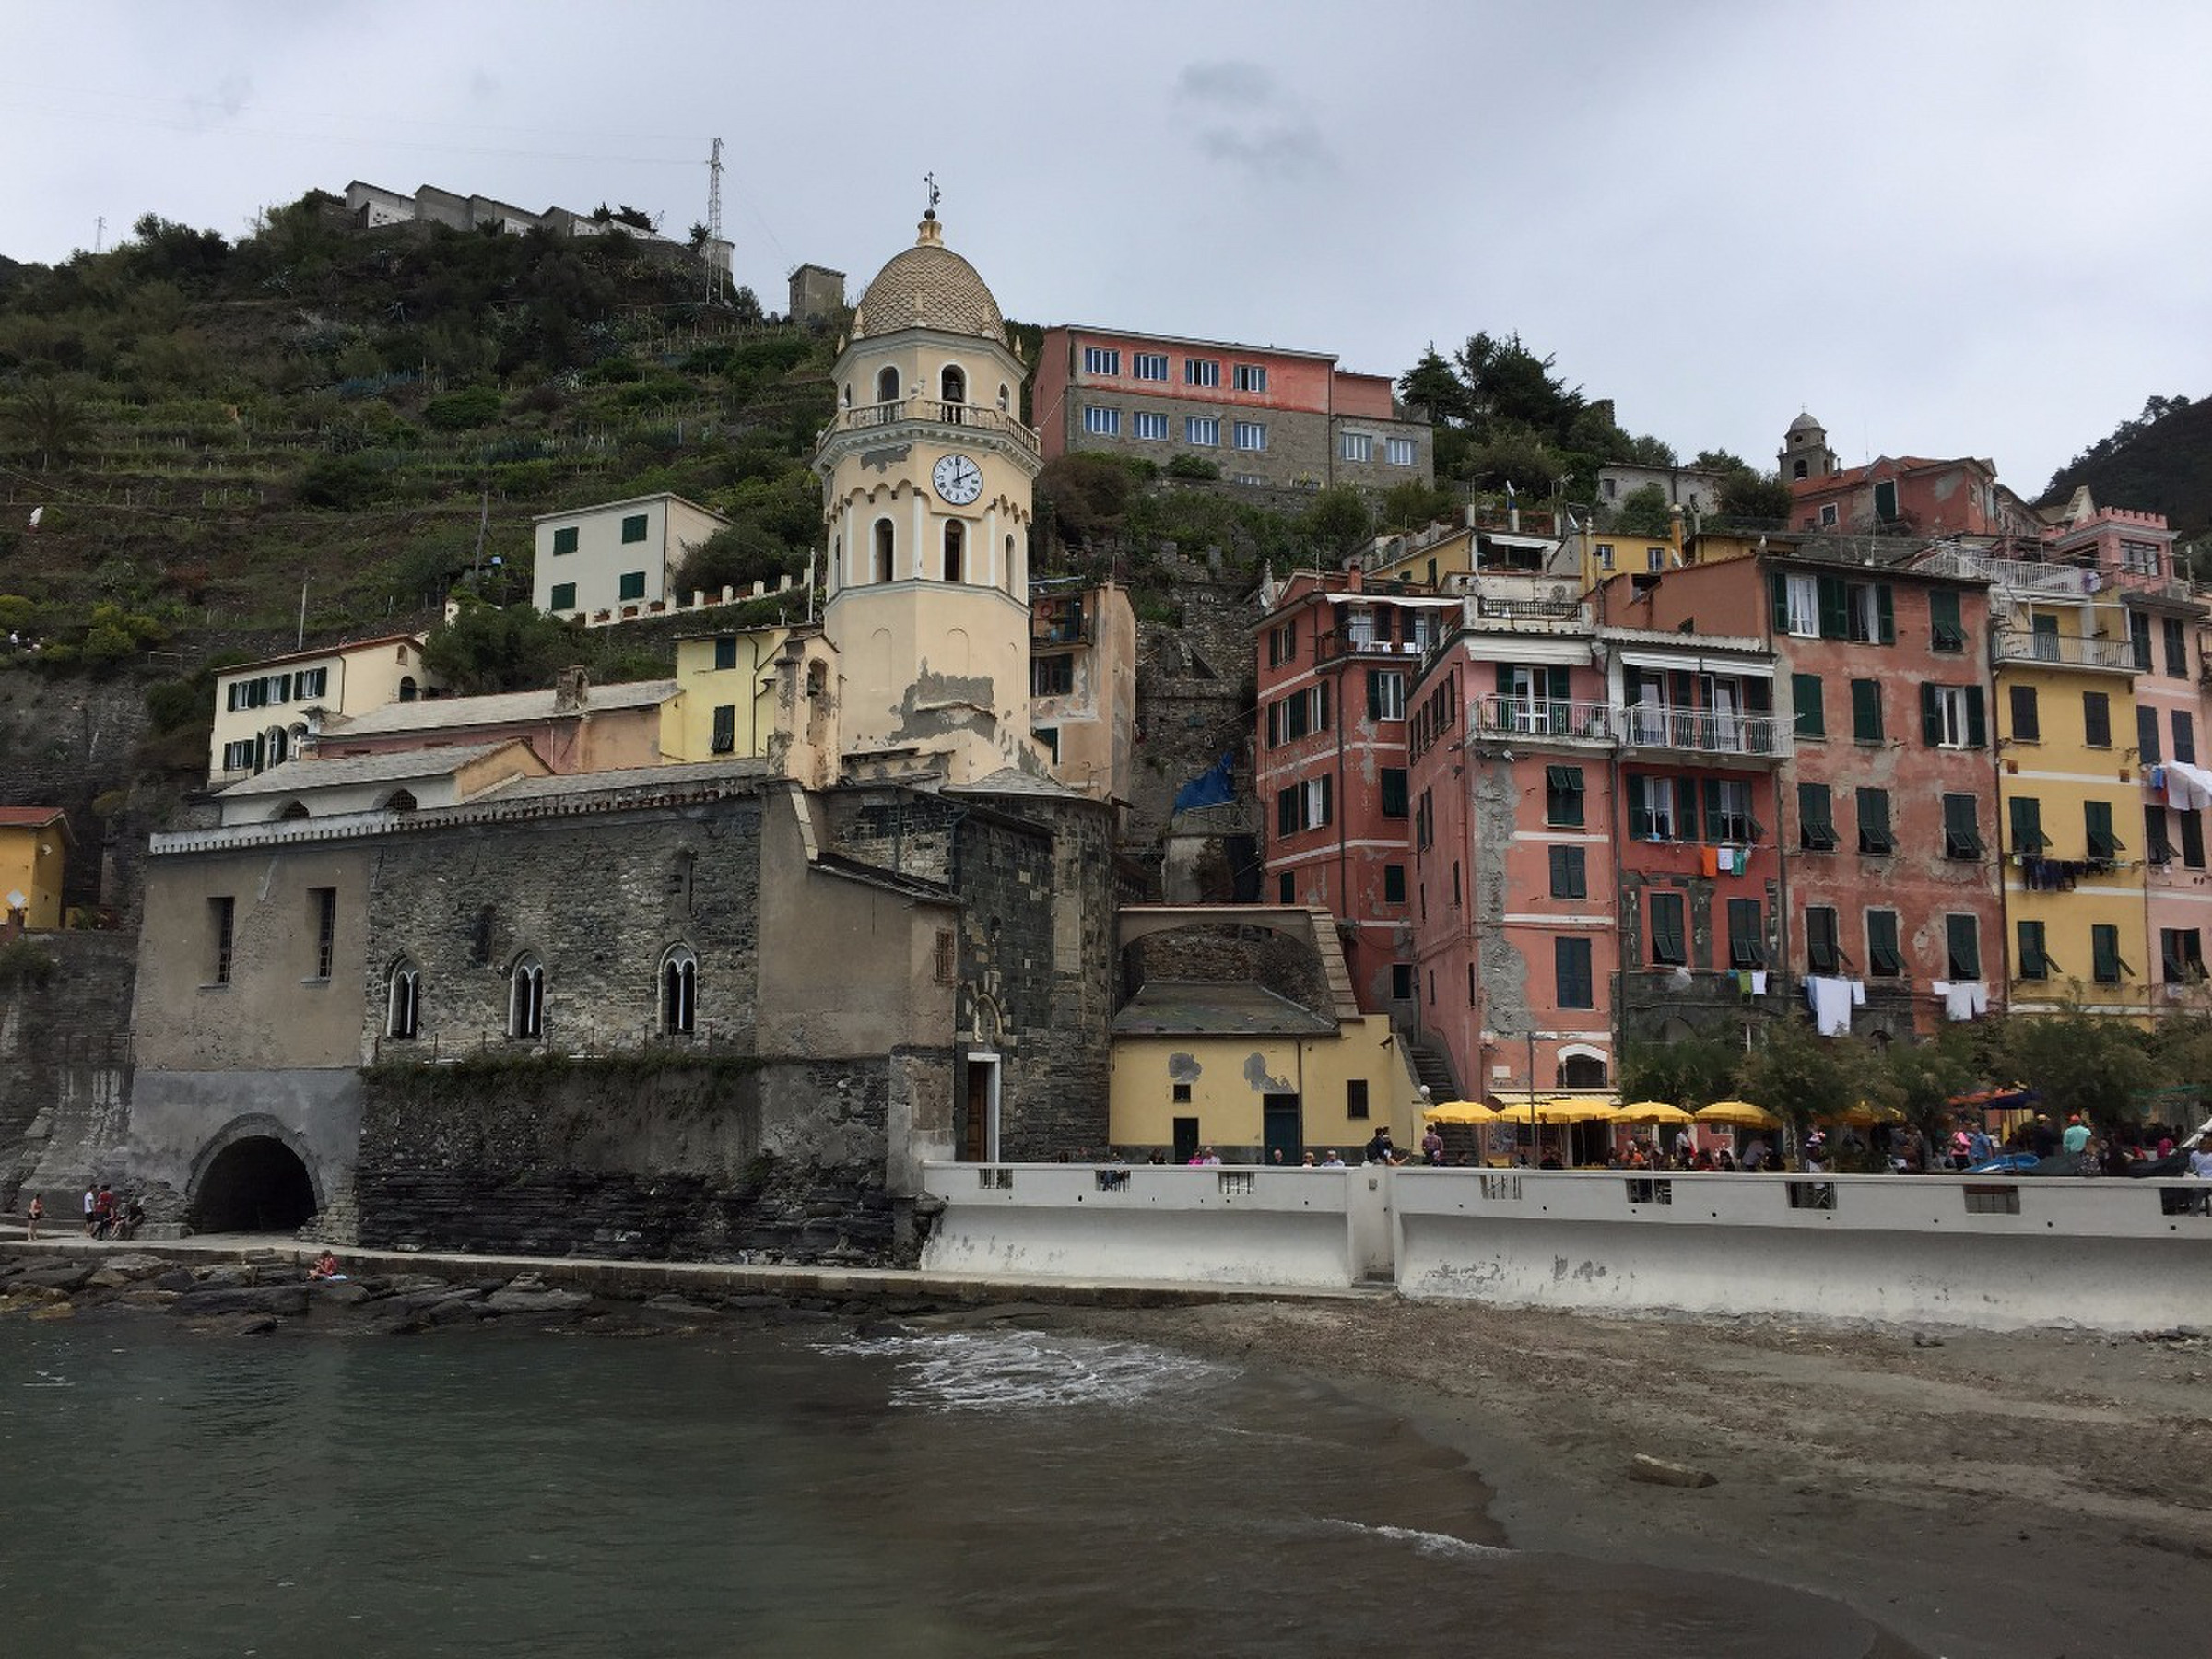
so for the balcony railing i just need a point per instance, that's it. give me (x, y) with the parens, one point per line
(1340, 642)
(1505, 716)
(981, 416)
(2015, 645)
(1698, 731)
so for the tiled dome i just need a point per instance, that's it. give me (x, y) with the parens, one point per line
(929, 286)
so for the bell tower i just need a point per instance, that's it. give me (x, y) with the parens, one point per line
(1804, 454)
(926, 477)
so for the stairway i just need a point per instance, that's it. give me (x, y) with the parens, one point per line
(1433, 1066)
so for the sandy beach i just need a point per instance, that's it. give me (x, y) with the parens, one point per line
(2039, 1495)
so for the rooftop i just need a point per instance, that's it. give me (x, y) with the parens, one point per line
(663, 494)
(928, 285)
(293, 776)
(1215, 1008)
(342, 649)
(499, 708)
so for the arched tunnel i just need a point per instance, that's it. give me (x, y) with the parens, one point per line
(257, 1184)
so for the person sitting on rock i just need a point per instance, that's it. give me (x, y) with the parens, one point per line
(325, 1267)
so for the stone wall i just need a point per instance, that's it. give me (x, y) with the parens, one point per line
(700, 1158)
(1193, 697)
(1281, 962)
(65, 742)
(65, 1070)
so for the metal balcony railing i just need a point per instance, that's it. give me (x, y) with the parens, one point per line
(1506, 716)
(1697, 730)
(2016, 645)
(1340, 642)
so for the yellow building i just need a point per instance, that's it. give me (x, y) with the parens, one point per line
(2069, 793)
(34, 855)
(264, 711)
(725, 699)
(1232, 1064)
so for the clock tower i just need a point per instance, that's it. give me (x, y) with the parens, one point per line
(926, 472)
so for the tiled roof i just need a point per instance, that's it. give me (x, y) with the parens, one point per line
(28, 818)
(501, 708)
(1215, 1008)
(928, 287)
(295, 776)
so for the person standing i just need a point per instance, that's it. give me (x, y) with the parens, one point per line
(2077, 1139)
(89, 1197)
(33, 1216)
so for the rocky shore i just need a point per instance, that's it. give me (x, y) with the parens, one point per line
(263, 1299)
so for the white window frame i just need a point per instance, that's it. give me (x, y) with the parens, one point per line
(1204, 430)
(1250, 435)
(1950, 713)
(1802, 598)
(1150, 425)
(403, 1001)
(1828, 516)
(1149, 366)
(1102, 359)
(1390, 694)
(1202, 371)
(1605, 556)
(1099, 421)
(676, 992)
(1248, 377)
(526, 998)
(1314, 802)
(1400, 451)
(1356, 446)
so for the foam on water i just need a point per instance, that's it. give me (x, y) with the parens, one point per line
(1434, 1544)
(1021, 1370)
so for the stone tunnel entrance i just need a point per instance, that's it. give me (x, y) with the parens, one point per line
(257, 1184)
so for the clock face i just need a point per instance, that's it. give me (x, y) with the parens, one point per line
(957, 479)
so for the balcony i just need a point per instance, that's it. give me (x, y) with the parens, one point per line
(1062, 623)
(2066, 651)
(1356, 642)
(1697, 730)
(978, 416)
(1539, 718)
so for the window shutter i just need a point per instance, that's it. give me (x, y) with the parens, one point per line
(1885, 614)
(1806, 705)
(1866, 711)
(1835, 608)
(1931, 715)
(1374, 693)
(1977, 719)
(1686, 808)
(1505, 680)
(1778, 588)
(1712, 809)
(1640, 807)
(2026, 717)
(1555, 684)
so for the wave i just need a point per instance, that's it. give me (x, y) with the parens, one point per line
(961, 1370)
(1424, 1543)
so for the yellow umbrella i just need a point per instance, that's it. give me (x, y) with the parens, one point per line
(1583, 1110)
(1741, 1113)
(1462, 1111)
(1865, 1114)
(1653, 1112)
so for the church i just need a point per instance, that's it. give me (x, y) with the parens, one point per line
(442, 999)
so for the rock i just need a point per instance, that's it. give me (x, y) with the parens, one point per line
(145, 1296)
(1921, 1339)
(340, 1294)
(683, 1306)
(535, 1301)
(107, 1278)
(409, 1284)
(136, 1264)
(423, 1301)
(176, 1279)
(259, 1298)
(260, 1325)
(55, 1309)
(1659, 1472)
(790, 1316)
(453, 1311)
(747, 1299)
(879, 1330)
(223, 1278)
(68, 1278)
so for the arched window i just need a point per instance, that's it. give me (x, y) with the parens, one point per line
(1581, 1071)
(886, 386)
(526, 997)
(407, 687)
(276, 744)
(956, 544)
(403, 1000)
(1006, 402)
(1006, 571)
(883, 549)
(847, 398)
(1799, 470)
(399, 800)
(953, 385)
(679, 992)
(817, 679)
(292, 810)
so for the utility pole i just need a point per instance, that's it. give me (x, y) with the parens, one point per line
(714, 247)
(99, 231)
(302, 644)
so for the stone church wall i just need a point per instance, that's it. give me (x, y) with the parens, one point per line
(64, 1069)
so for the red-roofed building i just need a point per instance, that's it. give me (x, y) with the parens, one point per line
(1909, 494)
(34, 854)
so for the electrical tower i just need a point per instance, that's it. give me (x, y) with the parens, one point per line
(713, 248)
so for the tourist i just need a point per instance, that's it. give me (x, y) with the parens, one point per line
(1276, 1157)
(1330, 1160)
(1307, 1162)
(132, 1218)
(325, 1267)
(1206, 1157)
(103, 1213)
(1755, 1158)
(1432, 1147)
(1379, 1150)
(2200, 1160)
(33, 1216)
(1725, 1161)
(88, 1201)
(2077, 1139)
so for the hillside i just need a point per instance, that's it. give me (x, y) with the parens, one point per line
(2159, 462)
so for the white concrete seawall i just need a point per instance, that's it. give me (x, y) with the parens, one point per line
(2111, 1254)
(1292, 1229)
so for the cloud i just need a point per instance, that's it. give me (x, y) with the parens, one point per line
(227, 103)
(1239, 115)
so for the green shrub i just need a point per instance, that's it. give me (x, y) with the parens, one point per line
(465, 410)
(342, 483)
(1192, 466)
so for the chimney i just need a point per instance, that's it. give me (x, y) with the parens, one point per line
(571, 690)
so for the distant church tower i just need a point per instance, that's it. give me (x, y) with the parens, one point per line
(1804, 452)
(926, 473)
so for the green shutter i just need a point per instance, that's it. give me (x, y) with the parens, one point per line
(1965, 943)
(2104, 951)
(1666, 928)
(1807, 701)
(1835, 608)
(1931, 715)
(1885, 614)
(1977, 719)
(1778, 588)
(1640, 807)
(1866, 711)
(2027, 826)
(1882, 954)
(1712, 809)
(1505, 680)
(1942, 615)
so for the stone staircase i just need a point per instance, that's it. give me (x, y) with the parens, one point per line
(1433, 1066)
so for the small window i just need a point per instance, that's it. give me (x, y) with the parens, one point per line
(1962, 942)
(1101, 422)
(2028, 837)
(1248, 377)
(886, 385)
(1201, 371)
(1286, 889)
(2106, 965)
(1883, 959)
(1149, 365)
(1962, 834)
(1150, 425)
(633, 585)
(1946, 632)
(1816, 819)
(883, 540)
(323, 906)
(2035, 960)
(563, 597)
(403, 1000)
(2026, 723)
(1394, 792)
(222, 916)
(1181, 1096)
(1808, 705)
(1666, 941)
(1823, 953)
(1101, 360)
(1051, 675)
(952, 385)
(1400, 451)
(956, 548)
(565, 538)
(1204, 430)
(1570, 964)
(1251, 434)
(1563, 795)
(2104, 844)
(633, 528)
(2096, 719)
(724, 739)
(526, 998)
(725, 651)
(1355, 1096)
(1568, 873)
(679, 992)
(1866, 711)
(1356, 446)
(1873, 822)
(1746, 935)
(1401, 982)
(1394, 884)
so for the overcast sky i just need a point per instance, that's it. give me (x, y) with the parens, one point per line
(1943, 227)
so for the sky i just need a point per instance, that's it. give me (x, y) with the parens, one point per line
(1943, 227)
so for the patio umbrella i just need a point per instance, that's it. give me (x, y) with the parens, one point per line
(1865, 1114)
(1462, 1111)
(1573, 1111)
(1653, 1112)
(1743, 1114)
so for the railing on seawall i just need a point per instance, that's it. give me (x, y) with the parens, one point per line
(1993, 1251)
(1211, 1224)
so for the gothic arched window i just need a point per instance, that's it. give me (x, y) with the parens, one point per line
(679, 992)
(402, 999)
(526, 997)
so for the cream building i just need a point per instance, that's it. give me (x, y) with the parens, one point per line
(725, 699)
(34, 857)
(264, 710)
(619, 560)
(926, 473)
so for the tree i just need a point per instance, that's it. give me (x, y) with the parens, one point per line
(1799, 1075)
(49, 419)
(1084, 495)
(1643, 511)
(1691, 1073)
(737, 558)
(487, 649)
(1433, 385)
(1920, 1079)
(2079, 1063)
(1339, 519)
(1507, 381)
(1758, 497)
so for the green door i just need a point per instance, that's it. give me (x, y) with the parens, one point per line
(1280, 1129)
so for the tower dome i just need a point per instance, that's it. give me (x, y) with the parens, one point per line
(929, 286)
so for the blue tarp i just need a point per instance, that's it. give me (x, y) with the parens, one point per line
(1209, 788)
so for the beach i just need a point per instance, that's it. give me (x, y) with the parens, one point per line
(2034, 1495)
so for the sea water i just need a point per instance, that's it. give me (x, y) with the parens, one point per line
(950, 1492)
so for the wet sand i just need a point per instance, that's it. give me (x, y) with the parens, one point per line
(2039, 1495)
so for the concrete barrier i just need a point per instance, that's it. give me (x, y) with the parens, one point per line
(1291, 1229)
(2111, 1254)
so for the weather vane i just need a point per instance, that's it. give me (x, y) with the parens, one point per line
(930, 179)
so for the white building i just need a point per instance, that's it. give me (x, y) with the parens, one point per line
(265, 710)
(616, 560)
(1692, 489)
